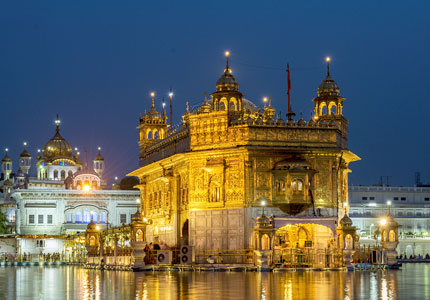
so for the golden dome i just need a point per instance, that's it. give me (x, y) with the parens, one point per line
(57, 147)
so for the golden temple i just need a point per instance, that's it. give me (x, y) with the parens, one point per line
(206, 182)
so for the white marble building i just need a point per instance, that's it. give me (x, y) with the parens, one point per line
(410, 206)
(64, 197)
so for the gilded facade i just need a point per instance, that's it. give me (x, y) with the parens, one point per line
(204, 183)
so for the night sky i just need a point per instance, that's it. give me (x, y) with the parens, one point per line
(96, 62)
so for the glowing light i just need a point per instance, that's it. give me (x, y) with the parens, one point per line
(383, 222)
(388, 202)
(76, 148)
(345, 204)
(263, 203)
(79, 153)
(6, 149)
(25, 144)
(145, 219)
(227, 53)
(164, 104)
(372, 204)
(152, 94)
(138, 200)
(171, 94)
(86, 188)
(99, 148)
(116, 178)
(327, 59)
(98, 227)
(265, 99)
(38, 150)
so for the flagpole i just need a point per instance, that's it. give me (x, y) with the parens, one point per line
(290, 113)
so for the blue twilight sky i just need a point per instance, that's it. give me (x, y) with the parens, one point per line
(95, 63)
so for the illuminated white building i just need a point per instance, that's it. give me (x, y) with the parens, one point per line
(64, 197)
(409, 205)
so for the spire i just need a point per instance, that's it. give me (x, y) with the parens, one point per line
(164, 110)
(57, 123)
(328, 59)
(152, 105)
(206, 98)
(171, 108)
(85, 158)
(227, 69)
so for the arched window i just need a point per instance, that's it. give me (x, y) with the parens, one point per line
(297, 186)
(94, 184)
(149, 135)
(155, 135)
(103, 217)
(63, 174)
(333, 109)
(86, 217)
(92, 241)
(222, 105)
(55, 174)
(265, 242)
(78, 217)
(94, 216)
(69, 217)
(392, 236)
(139, 235)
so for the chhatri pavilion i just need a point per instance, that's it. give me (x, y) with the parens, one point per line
(206, 182)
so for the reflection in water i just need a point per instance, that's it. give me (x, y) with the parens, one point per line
(71, 282)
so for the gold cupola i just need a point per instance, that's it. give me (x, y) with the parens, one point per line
(57, 146)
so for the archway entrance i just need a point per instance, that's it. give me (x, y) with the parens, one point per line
(303, 236)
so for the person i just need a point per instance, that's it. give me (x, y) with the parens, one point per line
(210, 259)
(157, 247)
(427, 256)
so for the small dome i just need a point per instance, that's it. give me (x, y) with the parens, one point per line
(263, 219)
(346, 220)
(24, 154)
(92, 226)
(328, 88)
(57, 147)
(227, 82)
(291, 122)
(7, 182)
(301, 122)
(311, 123)
(99, 157)
(6, 158)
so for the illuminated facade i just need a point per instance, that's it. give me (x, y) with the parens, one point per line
(204, 183)
(64, 197)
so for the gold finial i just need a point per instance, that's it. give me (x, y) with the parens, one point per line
(270, 101)
(57, 123)
(206, 98)
(328, 59)
(227, 54)
(265, 101)
(164, 111)
(152, 96)
(188, 107)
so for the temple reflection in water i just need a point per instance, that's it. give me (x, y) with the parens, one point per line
(80, 283)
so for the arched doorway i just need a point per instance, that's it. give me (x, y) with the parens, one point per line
(303, 236)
